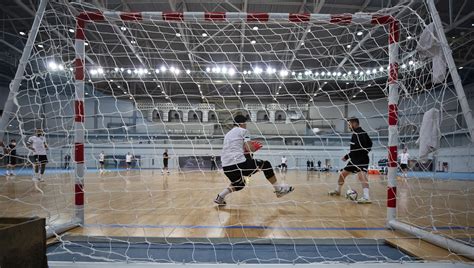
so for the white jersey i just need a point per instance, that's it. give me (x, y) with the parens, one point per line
(233, 148)
(38, 144)
(101, 157)
(404, 158)
(283, 160)
(128, 158)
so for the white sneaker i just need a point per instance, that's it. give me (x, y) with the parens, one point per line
(35, 179)
(364, 200)
(220, 201)
(284, 190)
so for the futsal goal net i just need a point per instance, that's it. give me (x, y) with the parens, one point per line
(107, 87)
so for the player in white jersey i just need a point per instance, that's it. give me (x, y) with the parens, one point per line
(128, 160)
(404, 162)
(283, 165)
(102, 162)
(237, 162)
(37, 144)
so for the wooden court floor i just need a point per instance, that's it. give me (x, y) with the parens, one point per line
(147, 203)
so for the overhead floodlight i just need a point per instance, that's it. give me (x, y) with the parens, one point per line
(381, 69)
(157, 71)
(334, 73)
(404, 66)
(323, 73)
(163, 68)
(178, 34)
(374, 71)
(255, 28)
(40, 45)
(93, 72)
(208, 69)
(188, 71)
(245, 71)
(348, 46)
(359, 33)
(129, 71)
(231, 71)
(116, 69)
(86, 44)
(349, 73)
(293, 73)
(204, 34)
(133, 42)
(123, 28)
(52, 66)
(224, 70)
(100, 71)
(367, 72)
(22, 33)
(339, 73)
(71, 30)
(356, 71)
(411, 62)
(258, 70)
(253, 42)
(283, 73)
(409, 37)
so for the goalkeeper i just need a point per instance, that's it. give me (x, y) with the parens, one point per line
(236, 165)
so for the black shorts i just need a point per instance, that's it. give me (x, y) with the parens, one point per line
(11, 160)
(101, 162)
(40, 159)
(165, 163)
(129, 163)
(235, 173)
(403, 166)
(356, 168)
(283, 165)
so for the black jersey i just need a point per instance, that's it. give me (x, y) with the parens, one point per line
(361, 144)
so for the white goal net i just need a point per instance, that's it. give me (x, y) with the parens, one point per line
(157, 81)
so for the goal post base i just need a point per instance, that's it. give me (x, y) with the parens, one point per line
(438, 240)
(58, 229)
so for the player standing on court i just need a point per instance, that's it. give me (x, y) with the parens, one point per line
(37, 144)
(358, 160)
(102, 161)
(404, 162)
(10, 151)
(235, 164)
(283, 165)
(165, 162)
(128, 160)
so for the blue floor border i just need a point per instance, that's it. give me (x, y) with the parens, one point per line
(465, 176)
(265, 227)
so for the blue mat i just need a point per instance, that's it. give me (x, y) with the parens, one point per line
(223, 253)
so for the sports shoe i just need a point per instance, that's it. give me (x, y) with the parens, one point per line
(284, 190)
(220, 201)
(363, 200)
(334, 193)
(35, 179)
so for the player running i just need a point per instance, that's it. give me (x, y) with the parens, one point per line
(236, 165)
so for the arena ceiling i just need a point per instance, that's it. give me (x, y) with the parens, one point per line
(457, 17)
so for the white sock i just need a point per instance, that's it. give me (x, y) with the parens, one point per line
(366, 193)
(339, 188)
(224, 193)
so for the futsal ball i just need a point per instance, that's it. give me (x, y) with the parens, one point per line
(351, 195)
